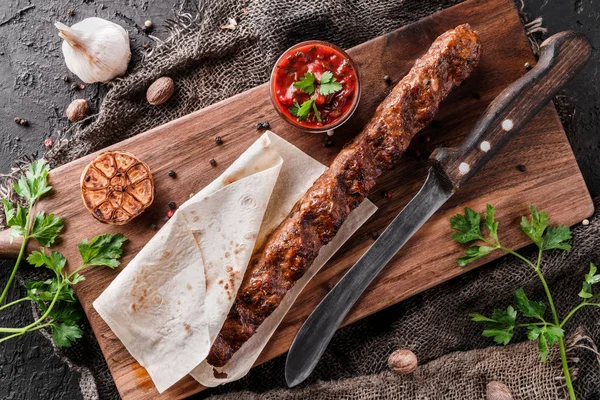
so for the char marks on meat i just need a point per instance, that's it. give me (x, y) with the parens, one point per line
(317, 216)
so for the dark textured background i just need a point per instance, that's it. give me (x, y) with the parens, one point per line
(32, 87)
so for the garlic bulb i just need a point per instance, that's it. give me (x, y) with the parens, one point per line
(96, 50)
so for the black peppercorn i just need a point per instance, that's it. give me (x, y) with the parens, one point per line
(521, 168)
(328, 142)
(87, 178)
(74, 86)
(213, 162)
(23, 122)
(65, 78)
(387, 79)
(374, 234)
(172, 205)
(218, 140)
(17, 120)
(263, 125)
(172, 173)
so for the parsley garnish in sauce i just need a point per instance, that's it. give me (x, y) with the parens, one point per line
(326, 85)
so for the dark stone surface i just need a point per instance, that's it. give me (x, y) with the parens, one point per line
(31, 87)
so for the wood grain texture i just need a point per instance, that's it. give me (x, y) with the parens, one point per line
(552, 180)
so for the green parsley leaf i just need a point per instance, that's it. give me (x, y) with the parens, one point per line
(545, 335)
(65, 334)
(306, 83)
(467, 225)
(473, 253)
(586, 291)
(46, 290)
(500, 326)
(304, 110)
(328, 84)
(102, 250)
(543, 347)
(55, 261)
(294, 109)
(476, 317)
(591, 278)
(490, 223)
(326, 77)
(536, 227)
(67, 312)
(34, 183)
(533, 309)
(65, 316)
(46, 228)
(556, 237)
(16, 219)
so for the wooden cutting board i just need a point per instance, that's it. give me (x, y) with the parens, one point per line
(548, 177)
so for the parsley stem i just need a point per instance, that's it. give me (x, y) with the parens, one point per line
(514, 253)
(546, 288)
(561, 342)
(573, 311)
(21, 253)
(12, 303)
(565, 367)
(24, 332)
(532, 324)
(41, 319)
(82, 266)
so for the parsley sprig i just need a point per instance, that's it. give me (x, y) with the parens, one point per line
(500, 326)
(31, 186)
(55, 296)
(308, 83)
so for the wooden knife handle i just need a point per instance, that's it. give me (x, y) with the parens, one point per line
(8, 249)
(561, 57)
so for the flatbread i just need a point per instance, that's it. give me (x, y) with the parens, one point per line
(169, 304)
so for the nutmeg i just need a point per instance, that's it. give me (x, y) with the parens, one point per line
(160, 91)
(498, 391)
(403, 361)
(77, 110)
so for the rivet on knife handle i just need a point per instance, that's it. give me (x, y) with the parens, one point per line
(561, 57)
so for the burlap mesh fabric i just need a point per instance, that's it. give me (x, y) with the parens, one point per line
(461, 375)
(208, 65)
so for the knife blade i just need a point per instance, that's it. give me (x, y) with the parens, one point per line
(561, 57)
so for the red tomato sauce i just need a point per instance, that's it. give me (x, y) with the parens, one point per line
(316, 59)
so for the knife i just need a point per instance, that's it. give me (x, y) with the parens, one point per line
(561, 57)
